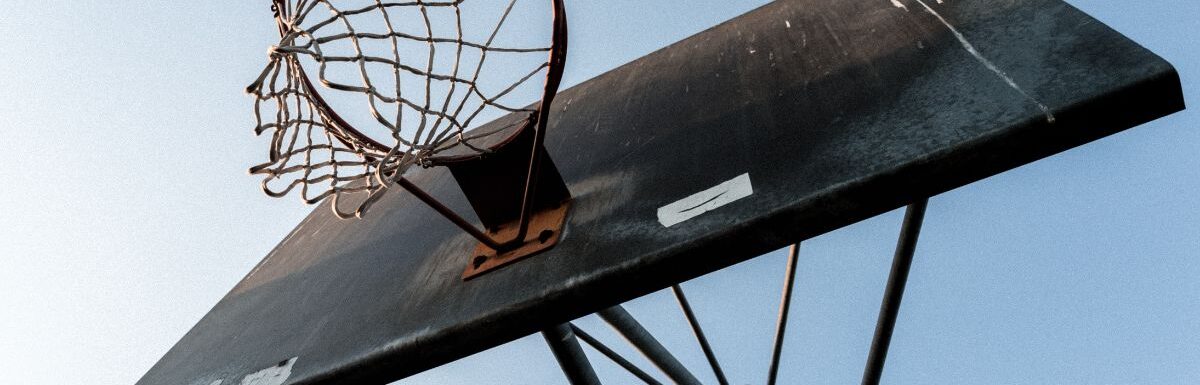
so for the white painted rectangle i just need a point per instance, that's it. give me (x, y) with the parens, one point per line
(705, 201)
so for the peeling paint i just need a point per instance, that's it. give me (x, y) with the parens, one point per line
(275, 375)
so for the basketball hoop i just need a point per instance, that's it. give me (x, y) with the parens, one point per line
(423, 108)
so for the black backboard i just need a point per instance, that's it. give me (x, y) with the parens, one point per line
(795, 119)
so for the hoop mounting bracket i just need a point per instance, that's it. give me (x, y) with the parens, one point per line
(495, 186)
(545, 229)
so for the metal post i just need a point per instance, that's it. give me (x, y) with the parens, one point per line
(785, 303)
(612, 355)
(889, 310)
(570, 356)
(645, 343)
(691, 318)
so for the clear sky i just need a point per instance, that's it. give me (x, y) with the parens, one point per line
(127, 213)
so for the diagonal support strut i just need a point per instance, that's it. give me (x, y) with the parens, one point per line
(889, 310)
(700, 338)
(570, 356)
(785, 304)
(645, 343)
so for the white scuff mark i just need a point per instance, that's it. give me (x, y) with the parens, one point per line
(275, 375)
(788, 23)
(987, 63)
(705, 201)
(297, 229)
(900, 5)
(599, 194)
(270, 255)
(836, 39)
(260, 265)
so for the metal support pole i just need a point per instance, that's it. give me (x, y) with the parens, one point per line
(612, 355)
(570, 356)
(785, 303)
(645, 343)
(889, 310)
(691, 318)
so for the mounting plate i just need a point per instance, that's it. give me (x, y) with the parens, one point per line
(545, 229)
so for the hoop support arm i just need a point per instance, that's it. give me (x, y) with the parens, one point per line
(448, 213)
(558, 57)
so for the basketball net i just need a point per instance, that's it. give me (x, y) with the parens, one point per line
(412, 104)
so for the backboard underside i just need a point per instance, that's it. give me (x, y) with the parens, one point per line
(796, 119)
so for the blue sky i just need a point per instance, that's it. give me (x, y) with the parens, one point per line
(128, 213)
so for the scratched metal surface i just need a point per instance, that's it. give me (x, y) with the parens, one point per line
(837, 109)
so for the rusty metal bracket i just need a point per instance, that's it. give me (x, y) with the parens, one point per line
(496, 185)
(545, 228)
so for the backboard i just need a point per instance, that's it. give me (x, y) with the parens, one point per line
(795, 119)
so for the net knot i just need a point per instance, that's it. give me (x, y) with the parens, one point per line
(273, 52)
